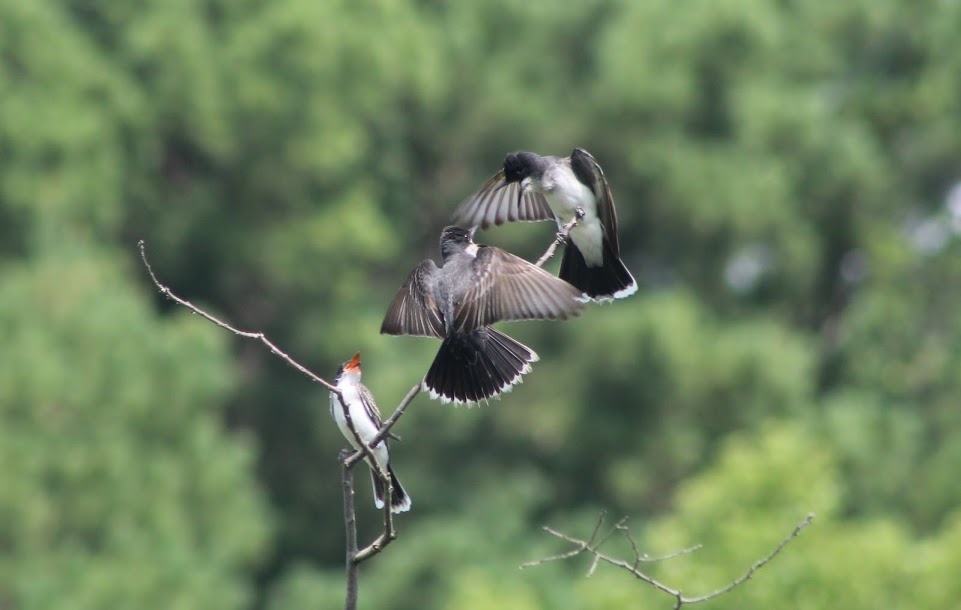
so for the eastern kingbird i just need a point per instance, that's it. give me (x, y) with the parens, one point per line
(531, 187)
(476, 287)
(367, 422)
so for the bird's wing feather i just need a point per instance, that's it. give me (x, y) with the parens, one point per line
(370, 405)
(493, 205)
(589, 172)
(510, 288)
(413, 310)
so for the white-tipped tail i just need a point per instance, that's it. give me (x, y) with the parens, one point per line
(477, 366)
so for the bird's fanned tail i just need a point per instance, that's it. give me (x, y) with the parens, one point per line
(472, 367)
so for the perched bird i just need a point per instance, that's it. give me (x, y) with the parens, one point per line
(476, 287)
(531, 187)
(367, 422)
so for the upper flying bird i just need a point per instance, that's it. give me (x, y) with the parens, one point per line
(367, 421)
(476, 287)
(531, 187)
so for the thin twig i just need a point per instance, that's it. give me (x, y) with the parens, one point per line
(758, 564)
(583, 546)
(597, 526)
(562, 236)
(644, 557)
(259, 336)
(566, 555)
(599, 543)
(589, 546)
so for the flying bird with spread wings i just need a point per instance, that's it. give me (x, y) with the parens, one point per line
(531, 188)
(476, 287)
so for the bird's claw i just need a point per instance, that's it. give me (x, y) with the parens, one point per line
(344, 455)
(579, 212)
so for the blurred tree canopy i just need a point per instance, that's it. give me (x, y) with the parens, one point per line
(789, 196)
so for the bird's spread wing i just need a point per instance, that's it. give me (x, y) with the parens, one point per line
(510, 288)
(493, 205)
(414, 311)
(589, 172)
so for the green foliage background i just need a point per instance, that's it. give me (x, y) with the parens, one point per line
(786, 176)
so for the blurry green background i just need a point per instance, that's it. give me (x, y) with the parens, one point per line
(787, 180)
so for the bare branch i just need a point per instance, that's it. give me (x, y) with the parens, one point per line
(593, 548)
(644, 557)
(597, 526)
(259, 336)
(562, 236)
(600, 543)
(566, 555)
(582, 546)
(350, 523)
(758, 564)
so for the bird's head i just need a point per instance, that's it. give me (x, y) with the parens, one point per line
(349, 369)
(454, 239)
(521, 167)
(517, 166)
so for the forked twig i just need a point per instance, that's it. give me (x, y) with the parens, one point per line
(593, 546)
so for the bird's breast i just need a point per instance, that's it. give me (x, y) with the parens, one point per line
(588, 236)
(566, 194)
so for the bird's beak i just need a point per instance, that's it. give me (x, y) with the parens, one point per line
(353, 364)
